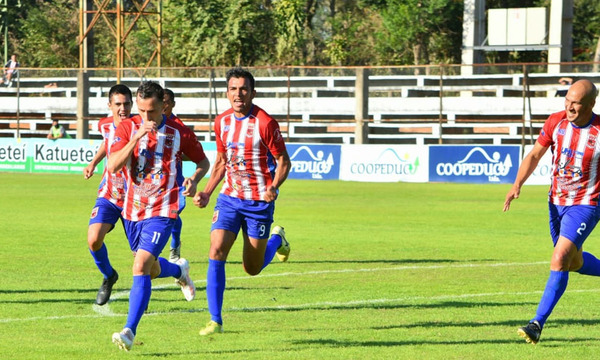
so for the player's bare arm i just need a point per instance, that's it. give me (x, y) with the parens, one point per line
(527, 167)
(284, 166)
(88, 171)
(191, 183)
(119, 158)
(202, 198)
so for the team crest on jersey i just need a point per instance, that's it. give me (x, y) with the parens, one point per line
(215, 216)
(591, 141)
(94, 213)
(169, 141)
(561, 132)
(250, 131)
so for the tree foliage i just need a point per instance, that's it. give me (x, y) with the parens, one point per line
(277, 32)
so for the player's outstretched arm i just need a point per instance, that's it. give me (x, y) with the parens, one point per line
(191, 183)
(284, 165)
(88, 171)
(202, 198)
(527, 167)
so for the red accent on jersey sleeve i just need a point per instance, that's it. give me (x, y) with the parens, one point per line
(545, 137)
(190, 145)
(104, 121)
(122, 135)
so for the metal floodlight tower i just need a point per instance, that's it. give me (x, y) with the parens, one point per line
(121, 17)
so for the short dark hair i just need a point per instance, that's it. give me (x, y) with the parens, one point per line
(170, 94)
(151, 89)
(239, 72)
(119, 89)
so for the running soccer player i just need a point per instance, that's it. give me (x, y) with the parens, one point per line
(175, 251)
(148, 152)
(574, 137)
(252, 157)
(111, 192)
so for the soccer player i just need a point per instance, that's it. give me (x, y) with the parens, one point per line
(148, 153)
(175, 251)
(574, 137)
(111, 192)
(252, 157)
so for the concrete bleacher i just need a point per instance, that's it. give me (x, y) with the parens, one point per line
(403, 109)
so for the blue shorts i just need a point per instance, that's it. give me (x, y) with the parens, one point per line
(574, 222)
(254, 217)
(150, 234)
(105, 212)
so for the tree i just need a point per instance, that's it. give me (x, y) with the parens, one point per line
(218, 32)
(412, 29)
(48, 35)
(290, 20)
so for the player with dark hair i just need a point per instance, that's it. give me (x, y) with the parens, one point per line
(252, 157)
(148, 153)
(574, 137)
(111, 192)
(175, 250)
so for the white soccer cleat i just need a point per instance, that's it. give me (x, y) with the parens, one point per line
(283, 252)
(124, 339)
(187, 285)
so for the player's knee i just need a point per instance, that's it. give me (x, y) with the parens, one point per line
(252, 269)
(560, 262)
(95, 242)
(576, 263)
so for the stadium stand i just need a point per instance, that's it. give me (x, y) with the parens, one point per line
(403, 109)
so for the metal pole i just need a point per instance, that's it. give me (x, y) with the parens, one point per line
(441, 115)
(524, 110)
(210, 95)
(18, 104)
(289, 94)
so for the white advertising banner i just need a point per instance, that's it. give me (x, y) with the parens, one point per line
(541, 174)
(385, 163)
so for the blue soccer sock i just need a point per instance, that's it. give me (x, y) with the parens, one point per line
(168, 269)
(555, 287)
(102, 262)
(272, 245)
(215, 288)
(139, 297)
(176, 233)
(591, 265)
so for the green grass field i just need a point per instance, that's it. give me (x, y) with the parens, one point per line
(386, 271)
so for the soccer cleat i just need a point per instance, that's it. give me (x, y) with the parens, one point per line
(186, 283)
(123, 339)
(106, 288)
(175, 254)
(283, 252)
(211, 328)
(531, 333)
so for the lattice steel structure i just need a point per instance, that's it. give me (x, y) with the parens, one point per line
(121, 17)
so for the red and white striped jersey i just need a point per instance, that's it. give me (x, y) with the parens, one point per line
(112, 186)
(575, 160)
(250, 144)
(151, 170)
